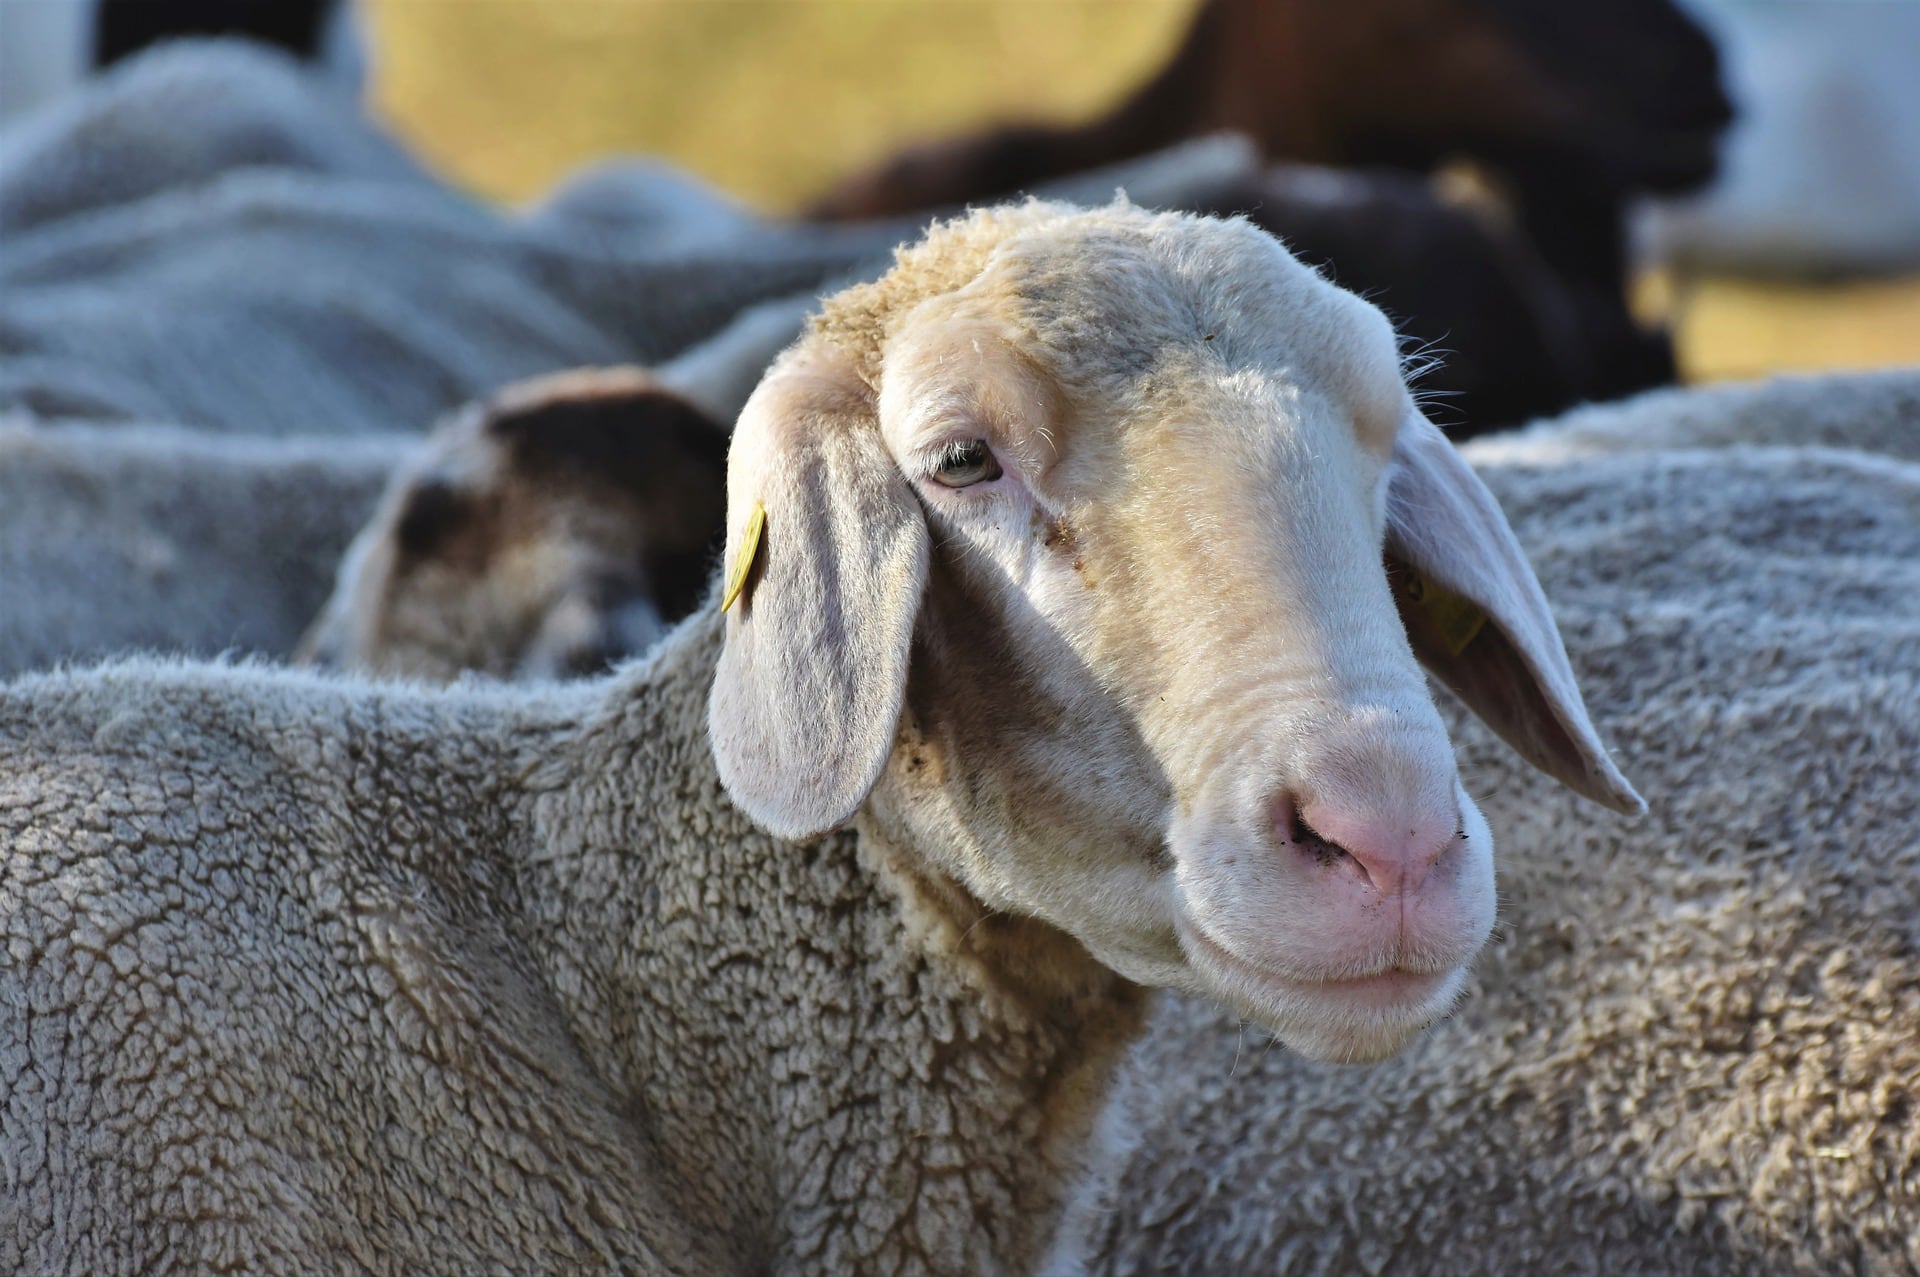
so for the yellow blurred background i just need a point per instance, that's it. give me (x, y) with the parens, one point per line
(771, 99)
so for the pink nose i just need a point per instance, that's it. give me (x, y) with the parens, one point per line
(1392, 851)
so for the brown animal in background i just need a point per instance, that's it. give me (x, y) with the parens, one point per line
(1571, 109)
(1576, 105)
(1496, 337)
(558, 527)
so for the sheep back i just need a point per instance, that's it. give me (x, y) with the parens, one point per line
(264, 1008)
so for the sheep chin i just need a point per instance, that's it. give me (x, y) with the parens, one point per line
(1355, 1020)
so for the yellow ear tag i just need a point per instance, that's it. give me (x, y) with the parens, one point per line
(743, 561)
(1452, 620)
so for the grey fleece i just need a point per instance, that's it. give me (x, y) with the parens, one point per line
(310, 977)
(209, 236)
(128, 537)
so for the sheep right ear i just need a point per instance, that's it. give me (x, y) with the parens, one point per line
(1477, 618)
(807, 696)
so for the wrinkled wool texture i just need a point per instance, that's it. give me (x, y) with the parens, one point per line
(1692, 1046)
(308, 976)
(134, 537)
(208, 236)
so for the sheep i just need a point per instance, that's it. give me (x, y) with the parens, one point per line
(437, 611)
(447, 609)
(551, 531)
(168, 119)
(123, 537)
(1573, 111)
(276, 265)
(1514, 340)
(1878, 412)
(1578, 107)
(809, 942)
(1691, 1049)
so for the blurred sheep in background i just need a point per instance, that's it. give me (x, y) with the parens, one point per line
(1495, 336)
(1575, 107)
(1821, 173)
(555, 530)
(771, 98)
(1569, 112)
(319, 31)
(49, 46)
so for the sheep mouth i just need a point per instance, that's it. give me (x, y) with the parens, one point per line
(1392, 990)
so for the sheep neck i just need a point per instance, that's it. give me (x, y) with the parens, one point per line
(840, 1059)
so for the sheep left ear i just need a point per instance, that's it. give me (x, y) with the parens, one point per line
(1478, 620)
(807, 696)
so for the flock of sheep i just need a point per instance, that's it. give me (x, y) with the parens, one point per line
(733, 816)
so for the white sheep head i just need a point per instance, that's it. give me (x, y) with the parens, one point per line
(1076, 581)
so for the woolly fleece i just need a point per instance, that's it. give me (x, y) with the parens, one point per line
(1871, 411)
(310, 975)
(206, 235)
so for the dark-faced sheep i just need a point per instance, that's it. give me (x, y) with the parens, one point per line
(560, 526)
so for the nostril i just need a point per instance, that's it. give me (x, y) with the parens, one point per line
(1392, 852)
(1294, 829)
(1324, 850)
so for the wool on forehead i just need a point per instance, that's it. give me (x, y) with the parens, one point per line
(956, 252)
(1102, 275)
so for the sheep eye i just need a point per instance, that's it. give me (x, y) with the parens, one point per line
(964, 463)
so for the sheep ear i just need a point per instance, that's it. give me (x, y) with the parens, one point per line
(806, 700)
(1478, 620)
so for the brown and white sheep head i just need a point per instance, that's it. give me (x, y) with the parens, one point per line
(1083, 538)
(554, 529)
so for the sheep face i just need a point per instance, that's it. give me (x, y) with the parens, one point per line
(549, 532)
(1124, 652)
